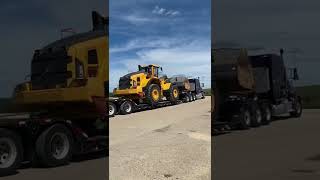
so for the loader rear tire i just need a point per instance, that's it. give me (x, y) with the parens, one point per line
(54, 146)
(153, 94)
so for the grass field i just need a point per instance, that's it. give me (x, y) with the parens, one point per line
(310, 96)
(4, 104)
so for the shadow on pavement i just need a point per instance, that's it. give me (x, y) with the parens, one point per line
(75, 159)
(223, 128)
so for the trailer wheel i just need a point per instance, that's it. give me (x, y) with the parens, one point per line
(189, 97)
(245, 118)
(112, 109)
(266, 114)
(256, 116)
(297, 109)
(173, 94)
(54, 146)
(11, 151)
(193, 98)
(153, 94)
(185, 98)
(203, 95)
(126, 107)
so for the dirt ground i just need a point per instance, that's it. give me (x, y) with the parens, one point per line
(167, 143)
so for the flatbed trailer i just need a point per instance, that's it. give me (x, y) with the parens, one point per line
(48, 140)
(122, 105)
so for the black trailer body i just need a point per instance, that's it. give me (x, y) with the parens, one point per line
(252, 101)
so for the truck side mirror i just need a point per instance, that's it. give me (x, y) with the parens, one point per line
(202, 84)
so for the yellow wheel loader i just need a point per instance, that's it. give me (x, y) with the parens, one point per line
(69, 75)
(63, 102)
(145, 86)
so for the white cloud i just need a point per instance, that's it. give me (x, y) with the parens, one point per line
(136, 19)
(162, 11)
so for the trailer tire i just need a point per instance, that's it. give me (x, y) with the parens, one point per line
(256, 120)
(193, 97)
(203, 95)
(189, 97)
(11, 152)
(185, 98)
(56, 138)
(153, 94)
(126, 108)
(245, 118)
(297, 109)
(266, 114)
(112, 109)
(173, 94)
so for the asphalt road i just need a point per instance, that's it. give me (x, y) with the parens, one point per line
(93, 166)
(167, 143)
(287, 149)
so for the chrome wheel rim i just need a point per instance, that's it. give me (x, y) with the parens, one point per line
(8, 152)
(111, 110)
(60, 145)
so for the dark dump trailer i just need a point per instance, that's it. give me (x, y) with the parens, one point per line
(250, 90)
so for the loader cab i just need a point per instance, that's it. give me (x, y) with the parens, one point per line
(151, 70)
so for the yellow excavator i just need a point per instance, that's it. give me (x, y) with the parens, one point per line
(147, 86)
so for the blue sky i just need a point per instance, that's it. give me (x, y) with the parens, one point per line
(174, 34)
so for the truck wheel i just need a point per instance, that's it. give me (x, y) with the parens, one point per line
(112, 109)
(266, 114)
(202, 95)
(189, 97)
(256, 116)
(193, 97)
(11, 151)
(245, 118)
(297, 109)
(185, 98)
(173, 94)
(54, 146)
(153, 94)
(126, 107)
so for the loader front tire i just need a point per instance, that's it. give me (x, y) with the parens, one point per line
(153, 94)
